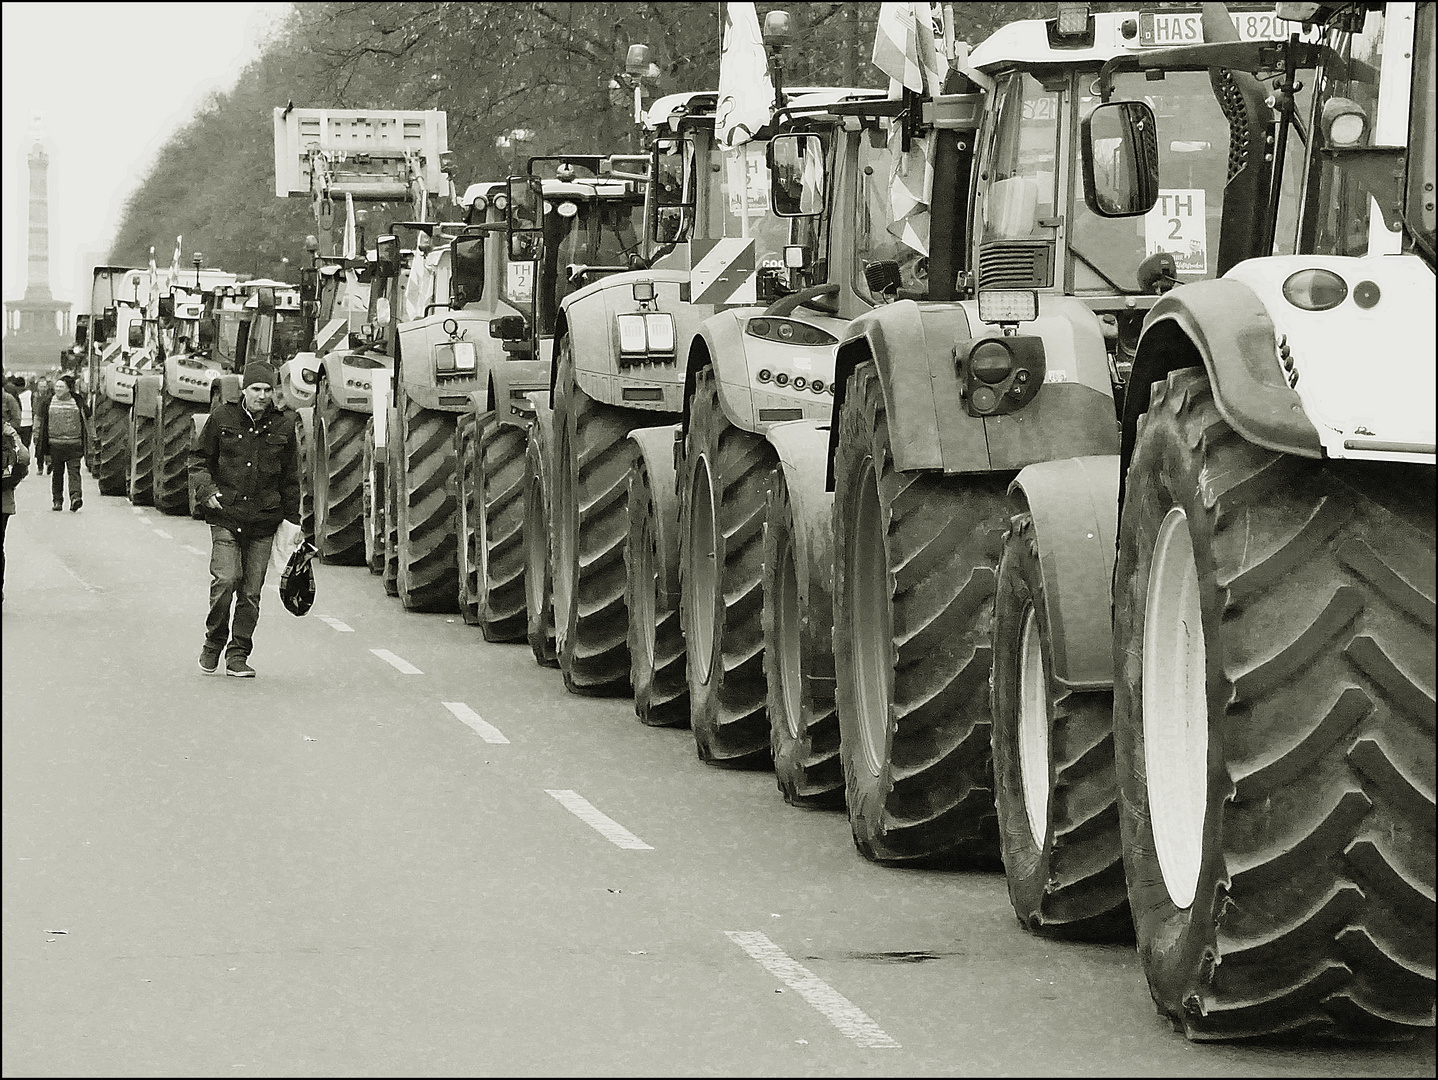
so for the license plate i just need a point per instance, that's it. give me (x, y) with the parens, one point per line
(1165, 29)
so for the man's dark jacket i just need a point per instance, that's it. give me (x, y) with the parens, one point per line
(253, 464)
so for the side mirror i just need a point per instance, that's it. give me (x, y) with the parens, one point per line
(466, 281)
(387, 258)
(1120, 159)
(82, 328)
(309, 284)
(524, 217)
(136, 336)
(796, 175)
(508, 328)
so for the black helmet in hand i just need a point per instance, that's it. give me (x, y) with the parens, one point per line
(297, 583)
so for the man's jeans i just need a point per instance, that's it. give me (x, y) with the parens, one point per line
(65, 460)
(237, 572)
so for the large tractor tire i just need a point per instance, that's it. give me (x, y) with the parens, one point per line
(197, 426)
(538, 542)
(722, 493)
(142, 459)
(428, 567)
(468, 524)
(499, 498)
(373, 504)
(339, 473)
(173, 428)
(304, 460)
(1057, 792)
(799, 656)
(1274, 687)
(651, 557)
(914, 570)
(112, 451)
(591, 524)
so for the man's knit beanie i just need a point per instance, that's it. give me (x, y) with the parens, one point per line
(258, 373)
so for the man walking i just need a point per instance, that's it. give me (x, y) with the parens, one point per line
(246, 474)
(62, 440)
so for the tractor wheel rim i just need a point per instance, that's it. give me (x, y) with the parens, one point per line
(787, 623)
(1033, 728)
(566, 528)
(1175, 709)
(646, 588)
(703, 567)
(869, 619)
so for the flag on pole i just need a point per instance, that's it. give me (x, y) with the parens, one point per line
(746, 92)
(175, 262)
(906, 49)
(349, 240)
(152, 302)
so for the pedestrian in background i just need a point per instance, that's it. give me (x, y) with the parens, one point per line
(12, 403)
(15, 457)
(245, 469)
(64, 434)
(44, 391)
(27, 411)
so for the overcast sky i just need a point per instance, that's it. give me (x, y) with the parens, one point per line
(111, 83)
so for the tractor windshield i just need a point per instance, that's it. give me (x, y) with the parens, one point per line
(1356, 184)
(288, 338)
(739, 201)
(581, 235)
(1105, 253)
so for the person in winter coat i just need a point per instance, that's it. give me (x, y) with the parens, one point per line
(16, 461)
(64, 434)
(26, 397)
(245, 468)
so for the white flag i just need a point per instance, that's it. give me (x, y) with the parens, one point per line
(905, 47)
(152, 302)
(349, 241)
(175, 262)
(746, 92)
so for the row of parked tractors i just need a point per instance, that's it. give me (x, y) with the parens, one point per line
(1038, 463)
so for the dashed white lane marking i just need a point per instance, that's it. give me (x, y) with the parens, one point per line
(83, 583)
(193, 550)
(140, 510)
(851, 1020)
(403, 666)
(603, 824)
(162, 534)
(465, 715)
(335, 624)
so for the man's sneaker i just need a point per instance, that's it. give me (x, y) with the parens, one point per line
(237, 667)
(76, 505)
(209, 659)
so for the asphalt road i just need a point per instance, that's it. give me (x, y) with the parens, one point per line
(330, 871)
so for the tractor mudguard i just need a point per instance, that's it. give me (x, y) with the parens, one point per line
(913, 349)
(1225, 325)
(511, 382)
(187, 379)
(351, 382)
(738, 358)
(147, 395)
(803, 447)
(117, 386)
(225, 388)
(656, 447)
(1074, 505)
(589, 317)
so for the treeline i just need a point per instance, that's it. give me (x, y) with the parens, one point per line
(553, 70)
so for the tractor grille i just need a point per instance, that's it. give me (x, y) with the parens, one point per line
(1016, 265)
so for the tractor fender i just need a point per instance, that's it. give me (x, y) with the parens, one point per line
(1224, 326)
(656, 446)
(510, 384)
(1074, 505)
(116, 385)
(590, 318)
(292, 390)
(802, 447)
(147, 395)
(225, 388)
(913, 349)
(302, 373)
(738, 357)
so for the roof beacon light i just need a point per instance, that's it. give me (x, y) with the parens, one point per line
(1072, 20)
(1008, 305)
